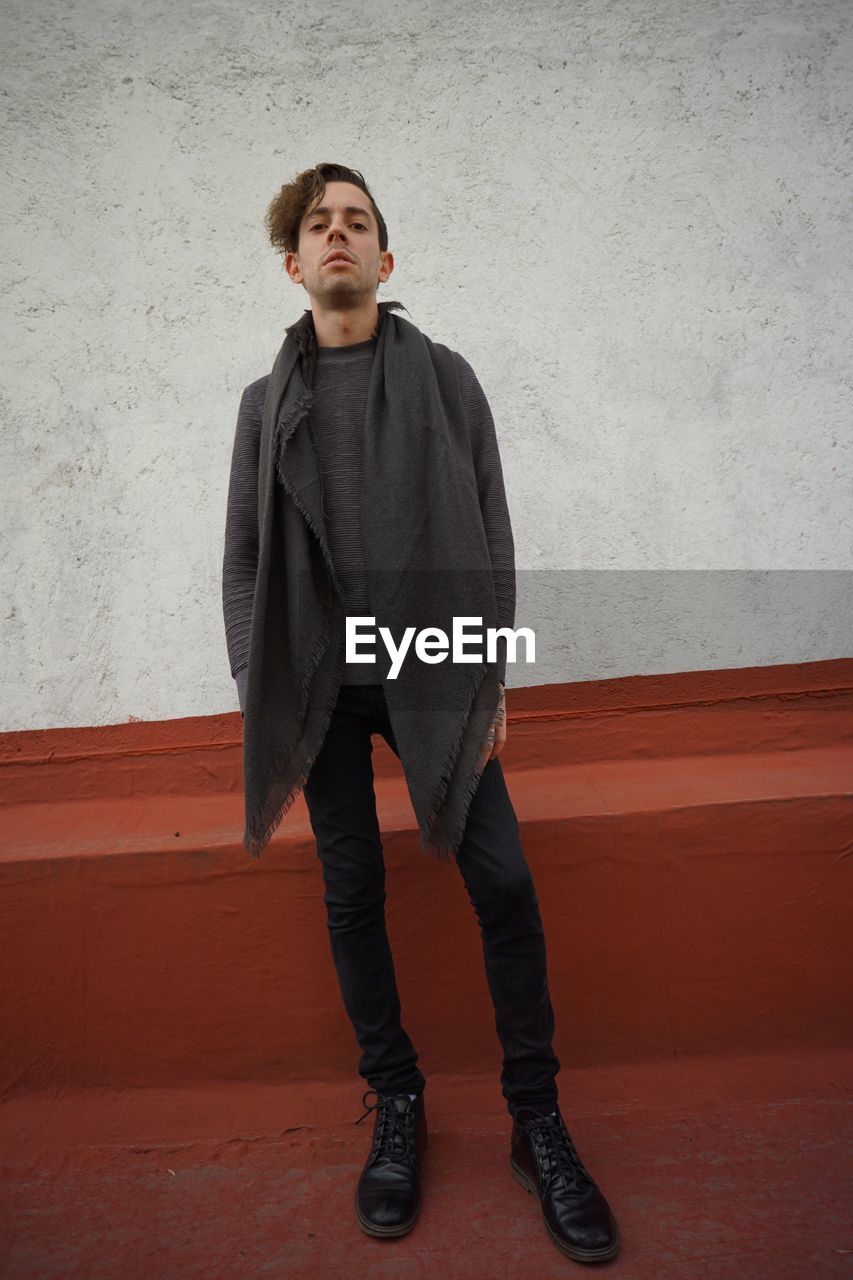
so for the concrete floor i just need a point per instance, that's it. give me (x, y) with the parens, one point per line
(717, 1168)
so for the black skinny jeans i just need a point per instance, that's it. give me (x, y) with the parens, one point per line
(342, 807)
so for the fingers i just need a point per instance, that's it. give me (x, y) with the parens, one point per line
(496, 736)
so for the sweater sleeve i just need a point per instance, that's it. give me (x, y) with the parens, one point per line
(493, 502)
(240, 557)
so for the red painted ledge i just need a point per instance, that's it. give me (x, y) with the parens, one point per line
(684, 713)
(689, 854)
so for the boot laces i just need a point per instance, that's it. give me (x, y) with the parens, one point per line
(556, 1153)
(394, 1136)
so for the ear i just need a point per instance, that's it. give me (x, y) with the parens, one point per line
(292, 267)
(386, 264)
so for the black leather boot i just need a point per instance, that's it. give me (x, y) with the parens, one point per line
(544, 1160)
(387, 1198)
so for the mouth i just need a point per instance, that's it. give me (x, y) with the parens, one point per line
(338, 260)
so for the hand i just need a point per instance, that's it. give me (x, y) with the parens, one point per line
(497, 733)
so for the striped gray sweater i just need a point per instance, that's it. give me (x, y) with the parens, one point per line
(337, 422)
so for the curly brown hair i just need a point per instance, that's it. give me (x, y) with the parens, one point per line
(285, 213)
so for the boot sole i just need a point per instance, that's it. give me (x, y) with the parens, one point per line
(571, 1251)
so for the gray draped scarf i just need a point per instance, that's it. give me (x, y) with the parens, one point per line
(426, 560)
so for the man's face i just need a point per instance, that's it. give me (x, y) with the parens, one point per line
(339, 261)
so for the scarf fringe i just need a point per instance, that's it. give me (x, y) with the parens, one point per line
(284, 430)
(437, 840)
(256, 843)
(285, 426)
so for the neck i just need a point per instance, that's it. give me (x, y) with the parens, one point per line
(343, 328)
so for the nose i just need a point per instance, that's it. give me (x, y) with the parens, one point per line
(335, 231)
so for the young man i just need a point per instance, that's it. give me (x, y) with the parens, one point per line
(366, 482)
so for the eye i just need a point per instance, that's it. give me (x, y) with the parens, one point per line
(360, 225)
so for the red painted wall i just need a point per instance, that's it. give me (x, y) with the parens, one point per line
(689, 837)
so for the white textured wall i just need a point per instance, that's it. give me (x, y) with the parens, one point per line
(633, 220)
